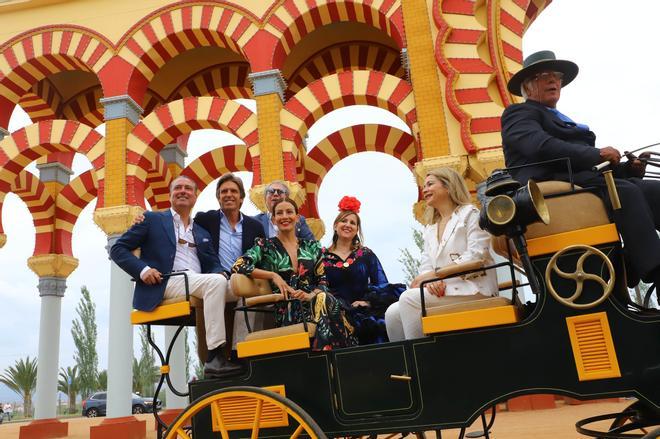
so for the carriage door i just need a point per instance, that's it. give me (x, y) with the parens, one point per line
(375, 381)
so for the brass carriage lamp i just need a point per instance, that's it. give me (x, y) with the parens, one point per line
(510, 207)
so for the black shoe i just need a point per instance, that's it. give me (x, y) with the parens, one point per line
(219, 366)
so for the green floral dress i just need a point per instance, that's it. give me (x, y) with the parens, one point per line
(332, 328)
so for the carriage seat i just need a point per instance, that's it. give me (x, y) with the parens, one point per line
(268, 341)
(472, 311)
(175, 312)
(570, 215)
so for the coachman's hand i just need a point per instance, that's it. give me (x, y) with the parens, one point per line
(610, 154)
(637, 167)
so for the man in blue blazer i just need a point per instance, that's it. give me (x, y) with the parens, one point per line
(276, 191)
(232, 233)
(171, 241)
(535, 131)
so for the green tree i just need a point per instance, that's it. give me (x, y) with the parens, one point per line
(188, 359)
(22, 379)
(198, 369)
(145, 372)
(69, 384)
(103, 380)
(412, 262)
(84, 334)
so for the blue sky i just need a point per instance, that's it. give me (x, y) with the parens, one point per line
(616, 94)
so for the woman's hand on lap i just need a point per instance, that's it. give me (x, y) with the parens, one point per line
(437, 288)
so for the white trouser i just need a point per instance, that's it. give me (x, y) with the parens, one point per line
(213, 289)
(403, 319)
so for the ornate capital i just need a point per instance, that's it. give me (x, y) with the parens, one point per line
(268, 82)
(173, 153)
(484, 163)
(458, 163)
(258, 194)
(52, 286)
(52, 265)
(121, 107)
(316, 226)
(422, 213)
(405, 62)
(116, 220)
(54, 172)
(3, 239)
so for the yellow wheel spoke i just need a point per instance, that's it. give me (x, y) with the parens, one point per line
(297, 432)
(182, 433)
(257, 418)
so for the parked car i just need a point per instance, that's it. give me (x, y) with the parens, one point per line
(96, 404)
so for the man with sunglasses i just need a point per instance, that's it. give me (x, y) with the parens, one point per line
(535, 131)
(171, 241)
(276, 191)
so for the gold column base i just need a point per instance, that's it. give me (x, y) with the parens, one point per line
(458, 163)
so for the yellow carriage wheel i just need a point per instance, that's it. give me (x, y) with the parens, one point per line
(247, 409)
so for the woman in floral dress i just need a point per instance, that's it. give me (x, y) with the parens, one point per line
(356, 277)
(294, 268)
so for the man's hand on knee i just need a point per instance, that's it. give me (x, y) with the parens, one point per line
(152, 277)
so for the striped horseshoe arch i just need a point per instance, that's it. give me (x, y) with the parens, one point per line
(174, 30)
(70, 202)
(41, 205)
(361, 87)
(211, 165)
(353, 140)
(170, 121)
(29, 58)
(292, 21)
(26, 145)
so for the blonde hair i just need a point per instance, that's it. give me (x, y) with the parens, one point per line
(456, 187)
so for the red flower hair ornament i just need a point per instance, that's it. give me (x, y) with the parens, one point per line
(349, 203)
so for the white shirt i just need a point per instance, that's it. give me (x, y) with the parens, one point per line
(185, 257)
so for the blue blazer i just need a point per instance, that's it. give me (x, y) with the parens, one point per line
(157, 242)
(302, 229)
(252, 229)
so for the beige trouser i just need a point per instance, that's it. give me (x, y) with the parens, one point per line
(403, 319)
(214, 290)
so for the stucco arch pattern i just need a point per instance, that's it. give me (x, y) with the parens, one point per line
(293, 20)
(174, 30)
(212, 164)
(339, 90)
(353, 140)
(169, 121)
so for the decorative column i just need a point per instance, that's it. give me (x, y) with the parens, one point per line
(115, 217)
(52, 269)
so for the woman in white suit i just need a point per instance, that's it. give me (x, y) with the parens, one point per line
(453, 237)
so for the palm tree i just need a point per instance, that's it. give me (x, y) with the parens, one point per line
(69, 383)
(22, 379)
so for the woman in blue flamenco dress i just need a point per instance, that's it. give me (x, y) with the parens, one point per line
(356, 277)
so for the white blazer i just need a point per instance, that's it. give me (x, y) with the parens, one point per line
(462, 241)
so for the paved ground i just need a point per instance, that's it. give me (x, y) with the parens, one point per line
(558, 423)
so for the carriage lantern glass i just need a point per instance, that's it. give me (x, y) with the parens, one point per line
(510, 208)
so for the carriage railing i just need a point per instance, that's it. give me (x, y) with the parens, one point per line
(165, 359)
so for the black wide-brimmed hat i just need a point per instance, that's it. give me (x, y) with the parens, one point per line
(542, 61)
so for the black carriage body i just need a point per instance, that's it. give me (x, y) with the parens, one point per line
(447, 380)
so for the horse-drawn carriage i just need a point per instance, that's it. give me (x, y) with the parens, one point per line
(582, 337)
